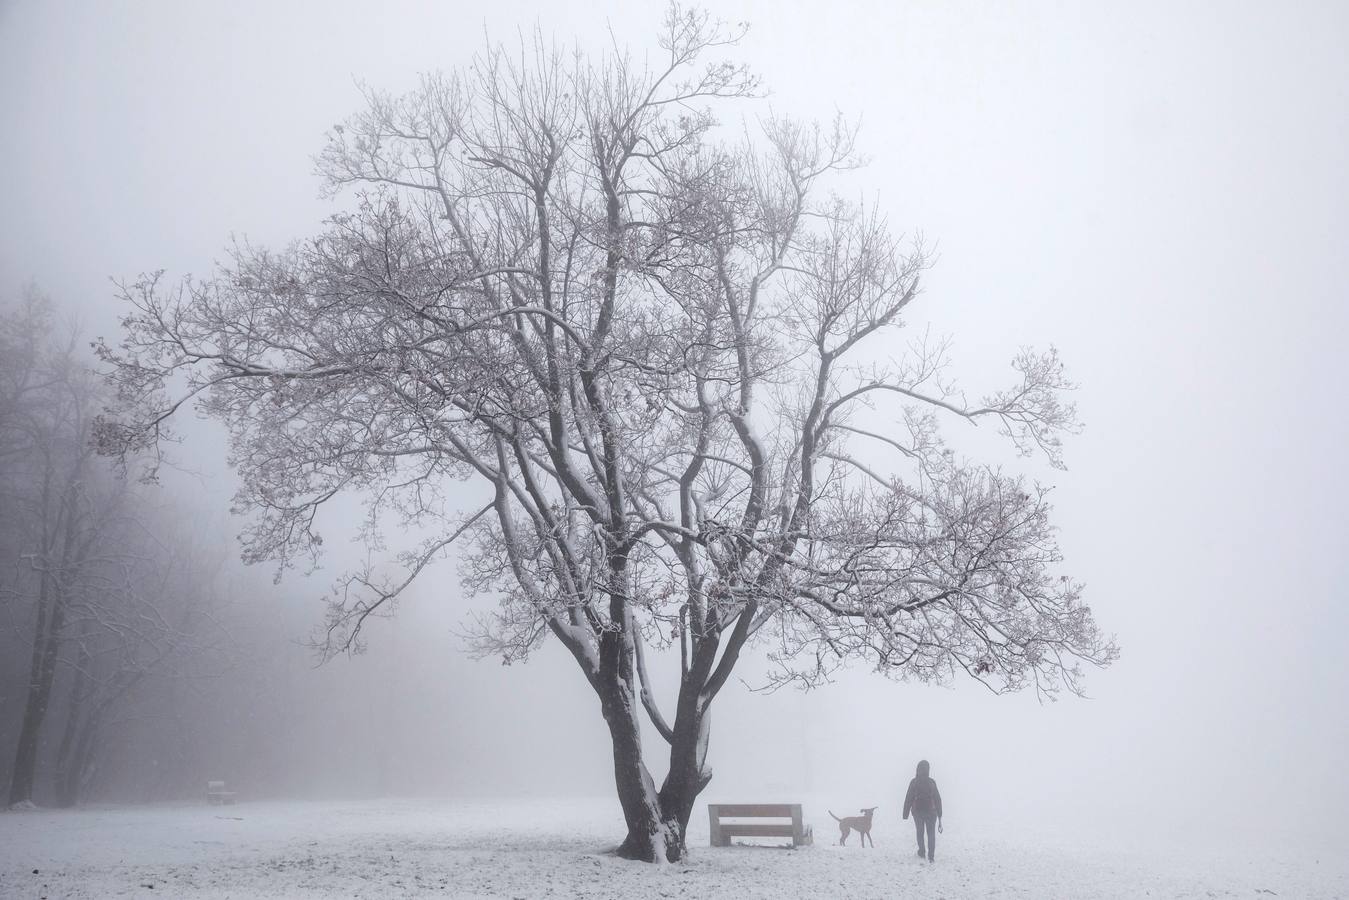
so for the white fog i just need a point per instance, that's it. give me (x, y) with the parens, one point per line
(1157, 191)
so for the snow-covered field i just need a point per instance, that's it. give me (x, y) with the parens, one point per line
(558, 849)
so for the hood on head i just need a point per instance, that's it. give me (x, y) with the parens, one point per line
(923, 768)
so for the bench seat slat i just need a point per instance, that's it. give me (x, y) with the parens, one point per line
(758, 831)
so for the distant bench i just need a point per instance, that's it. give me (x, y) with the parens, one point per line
(216, 795)
(722, 832)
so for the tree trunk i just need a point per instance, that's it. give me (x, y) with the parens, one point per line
(657, 821)
(67, 768)
(47, 640)
(688, 774)
(74, 777)
(650, 836)
(42, 672)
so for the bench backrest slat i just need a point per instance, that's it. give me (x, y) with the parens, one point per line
(755, 810)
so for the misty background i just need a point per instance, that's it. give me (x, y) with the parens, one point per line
(1160, 190)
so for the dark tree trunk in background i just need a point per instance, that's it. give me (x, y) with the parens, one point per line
(76, 727)
(40, 675)
(73, 772)
(46, 643)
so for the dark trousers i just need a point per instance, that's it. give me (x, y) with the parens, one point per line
(928, 823)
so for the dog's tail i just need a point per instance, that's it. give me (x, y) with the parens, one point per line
(836, 818)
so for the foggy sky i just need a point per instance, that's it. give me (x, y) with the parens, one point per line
(1161, 190)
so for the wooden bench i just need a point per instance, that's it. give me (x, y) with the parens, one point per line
(722, 832)
(216, 795)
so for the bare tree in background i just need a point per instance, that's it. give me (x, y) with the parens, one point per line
(657, 350)
(50, 407)
(23, 375)
(146, 612)
(101, 590)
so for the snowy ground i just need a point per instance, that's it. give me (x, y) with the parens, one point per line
(558, 849)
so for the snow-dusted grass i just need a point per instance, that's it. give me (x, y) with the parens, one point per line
(558, 849)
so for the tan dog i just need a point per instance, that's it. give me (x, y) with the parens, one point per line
(861, 824)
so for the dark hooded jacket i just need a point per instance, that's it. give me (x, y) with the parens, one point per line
(923, 798)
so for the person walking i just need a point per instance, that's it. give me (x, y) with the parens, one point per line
(924, 801)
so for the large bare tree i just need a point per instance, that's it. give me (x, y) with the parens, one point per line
(667, 353)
